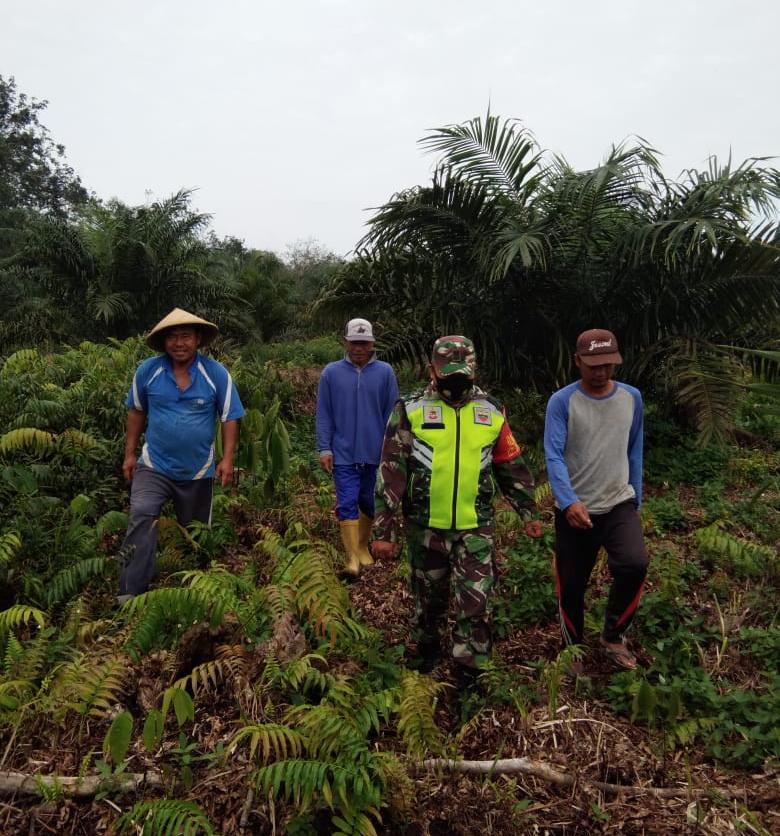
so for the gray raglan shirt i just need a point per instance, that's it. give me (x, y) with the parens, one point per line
(593, 447)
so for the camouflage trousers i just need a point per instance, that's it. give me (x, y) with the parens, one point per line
(464, 559)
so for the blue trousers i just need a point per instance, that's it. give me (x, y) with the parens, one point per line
(354, 490)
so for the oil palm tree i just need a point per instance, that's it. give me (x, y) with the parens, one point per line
(115, 269)
(522, 252)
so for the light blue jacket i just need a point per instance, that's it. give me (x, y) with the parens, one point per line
(353, 405)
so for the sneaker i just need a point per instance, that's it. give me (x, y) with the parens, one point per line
(123, 599)
(618, 653)
(575, 669)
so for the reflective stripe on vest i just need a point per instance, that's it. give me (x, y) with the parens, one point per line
(456, 446)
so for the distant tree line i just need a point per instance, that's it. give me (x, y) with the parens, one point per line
(507, 244)
(522, 252)
(73, 267)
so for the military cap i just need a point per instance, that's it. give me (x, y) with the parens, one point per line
(453, 354)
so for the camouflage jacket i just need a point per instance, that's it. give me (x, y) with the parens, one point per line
(440, 465)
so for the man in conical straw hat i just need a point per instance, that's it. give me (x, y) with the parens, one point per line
(174, 401)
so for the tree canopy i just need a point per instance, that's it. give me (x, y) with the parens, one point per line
(521, 251)
(33, 171)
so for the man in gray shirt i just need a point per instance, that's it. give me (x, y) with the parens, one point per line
(593, 448)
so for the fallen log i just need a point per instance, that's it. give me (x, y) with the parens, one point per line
(526, 766)
(19, 783)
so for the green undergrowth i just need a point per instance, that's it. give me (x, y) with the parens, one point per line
(249, 622)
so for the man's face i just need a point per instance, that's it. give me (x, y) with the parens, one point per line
(596, 378)
(359, 351)
(461, 385)
(182, 343)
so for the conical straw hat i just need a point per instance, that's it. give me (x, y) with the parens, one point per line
(177, 317)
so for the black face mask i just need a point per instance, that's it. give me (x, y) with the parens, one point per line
(454, 386)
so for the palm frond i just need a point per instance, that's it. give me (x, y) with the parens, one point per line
(165, 816)
(416, 721)
(498, 154)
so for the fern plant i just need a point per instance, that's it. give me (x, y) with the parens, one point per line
(416, 721)
(10, 544)
(745, 558)
(160, 616)
(323, 753)
(231, 665)
(20, 614)
(165, 816)
(90, 686)
(67, 582)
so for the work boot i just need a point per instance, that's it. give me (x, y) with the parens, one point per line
(429, 655)
(467, 697)
(365, 525)
(350, 537)
(465, 678)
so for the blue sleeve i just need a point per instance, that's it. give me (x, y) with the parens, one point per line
(228, 401)
(136, 396)
(556, 428)
(636, 447)
(324, 416)
(391, 394)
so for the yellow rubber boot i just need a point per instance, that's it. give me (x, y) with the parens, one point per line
(350, 537)
(366, 524)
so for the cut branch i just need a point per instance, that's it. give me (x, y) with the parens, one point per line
(18, 783)
(510, 766)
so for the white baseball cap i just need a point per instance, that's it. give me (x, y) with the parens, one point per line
(359, 329)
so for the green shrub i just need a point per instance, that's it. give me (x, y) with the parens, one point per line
(526, 593)
(665, 513)
(314, 352)
(672, 456)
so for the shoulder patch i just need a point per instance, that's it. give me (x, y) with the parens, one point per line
(483, 415)
(432, 414)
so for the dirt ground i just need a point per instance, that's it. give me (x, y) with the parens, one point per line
(584, 740)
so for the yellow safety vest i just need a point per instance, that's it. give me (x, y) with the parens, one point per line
(456, 446)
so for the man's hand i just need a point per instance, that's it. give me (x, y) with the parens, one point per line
(326, 462)
(577, 516)
(533, 528)
(129, 465)
(224, 471)
(383, 549)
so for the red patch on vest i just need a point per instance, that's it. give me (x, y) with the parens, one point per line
(506, 447)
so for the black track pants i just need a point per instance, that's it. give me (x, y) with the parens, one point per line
(619, 531)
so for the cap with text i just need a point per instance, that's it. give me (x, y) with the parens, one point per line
(598, 347)
(453, 354)
(359, 330)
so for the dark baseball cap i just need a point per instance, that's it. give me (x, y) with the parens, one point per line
(597, 347)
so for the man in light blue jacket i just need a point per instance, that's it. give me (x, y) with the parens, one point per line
(355, 398)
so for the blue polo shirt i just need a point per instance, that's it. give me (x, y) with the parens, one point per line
(179, 436)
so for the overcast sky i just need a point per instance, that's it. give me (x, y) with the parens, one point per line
(293, 119)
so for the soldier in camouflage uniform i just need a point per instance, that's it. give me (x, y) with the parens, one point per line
(445, 448)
